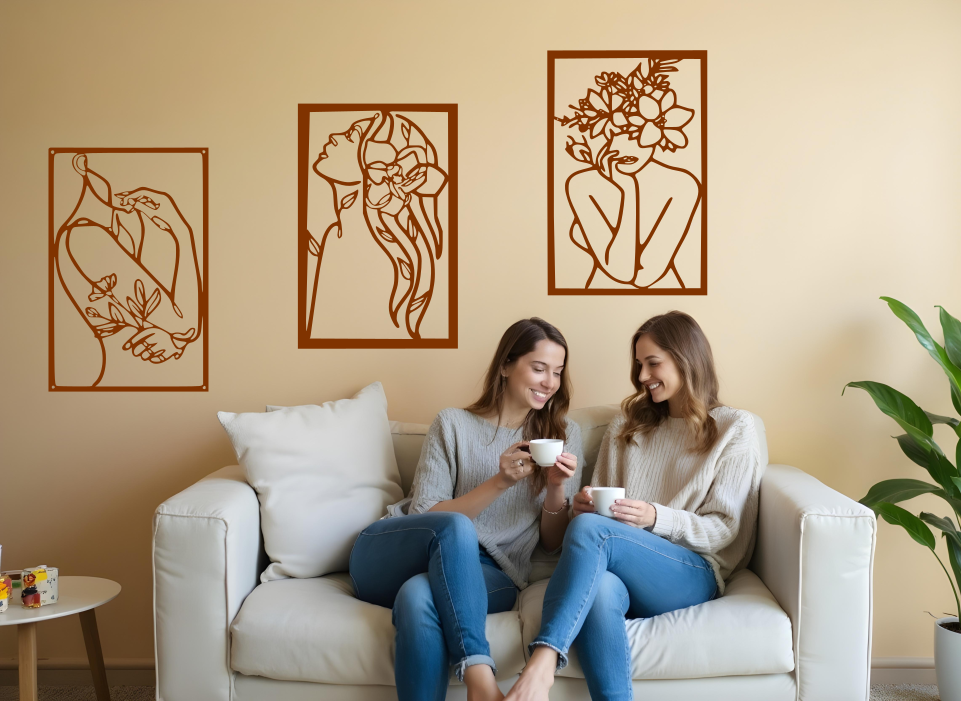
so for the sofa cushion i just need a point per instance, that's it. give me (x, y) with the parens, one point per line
(408, 440)
(315, 630)
(322, 474)
(744, 632)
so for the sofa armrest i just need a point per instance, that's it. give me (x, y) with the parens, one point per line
(815, 553)
(206, 559)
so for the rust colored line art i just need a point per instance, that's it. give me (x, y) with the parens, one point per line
(629, 153)
(377, 199)
(128, 300)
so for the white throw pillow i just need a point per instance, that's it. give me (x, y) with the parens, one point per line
(322, 474)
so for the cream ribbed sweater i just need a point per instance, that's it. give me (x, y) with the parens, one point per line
(705, 503)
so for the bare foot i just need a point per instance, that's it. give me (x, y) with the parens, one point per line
(537, 678)
(481, 685)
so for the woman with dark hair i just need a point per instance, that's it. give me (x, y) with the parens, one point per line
(691, 470)
(461, 544)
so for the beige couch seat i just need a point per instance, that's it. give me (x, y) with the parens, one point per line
(743, 632)
(314, 630)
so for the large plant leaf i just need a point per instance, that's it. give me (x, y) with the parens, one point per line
(893, 491)
(910, 448)
(954, 557)
(938, 419)
(913, 321)
(952, 538)
(952, 336)
(943, 524)
(954, 502)
(957, 482)
(915, 527)
(908, 415)
(957, 456)
(941, 469)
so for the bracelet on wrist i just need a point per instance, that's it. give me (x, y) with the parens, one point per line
(554, 513)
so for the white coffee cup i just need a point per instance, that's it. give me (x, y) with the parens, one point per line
(545, 450)
(604, 497)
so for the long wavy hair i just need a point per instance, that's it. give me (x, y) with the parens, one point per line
(549, 422)
(681, 337)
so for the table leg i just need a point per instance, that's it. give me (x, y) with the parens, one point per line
(91, 638)
(27, 634)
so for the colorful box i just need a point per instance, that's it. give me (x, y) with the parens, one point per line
(14, 578)
(39, 586)
(6, 590)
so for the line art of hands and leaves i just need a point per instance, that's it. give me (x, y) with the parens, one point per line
(128, 262)
(386, 166)
(631, 208)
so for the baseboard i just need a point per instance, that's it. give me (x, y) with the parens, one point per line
(140, 672)
(76, 672)
(903, 670)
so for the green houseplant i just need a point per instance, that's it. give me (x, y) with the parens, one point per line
(918, 444)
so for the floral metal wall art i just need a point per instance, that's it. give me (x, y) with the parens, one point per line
(128, 300)
(627, 172)
(378, 241)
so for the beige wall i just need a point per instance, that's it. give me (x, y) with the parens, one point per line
(835, 172)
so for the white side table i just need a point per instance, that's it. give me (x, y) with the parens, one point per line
(79, 595)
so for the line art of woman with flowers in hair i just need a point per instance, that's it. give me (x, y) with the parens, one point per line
(388, 165)
(631, 211)
(128, 263)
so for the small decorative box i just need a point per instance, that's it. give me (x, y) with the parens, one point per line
(14, 578)
(39, 586)
(6, 589)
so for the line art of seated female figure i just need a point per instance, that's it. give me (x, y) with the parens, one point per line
(388, 163)
(631, 212)
(139, 295)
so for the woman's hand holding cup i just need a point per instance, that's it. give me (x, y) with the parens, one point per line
(515, 465)
(583, 504)
(562, 470)
(634, 512)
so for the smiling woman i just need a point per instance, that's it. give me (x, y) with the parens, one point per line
(475, 485)
(690, 468)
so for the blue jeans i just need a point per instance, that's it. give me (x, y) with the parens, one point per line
(430, 569)
(609, 570)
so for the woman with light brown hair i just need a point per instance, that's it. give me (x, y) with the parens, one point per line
(690, 467)
(461, 544)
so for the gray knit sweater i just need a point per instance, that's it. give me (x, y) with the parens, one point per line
(706, 503)
(462, 451)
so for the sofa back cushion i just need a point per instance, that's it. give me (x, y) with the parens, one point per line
(408, 440)
(322, 474)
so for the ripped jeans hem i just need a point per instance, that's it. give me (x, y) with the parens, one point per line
(470, 661)
(561, 655)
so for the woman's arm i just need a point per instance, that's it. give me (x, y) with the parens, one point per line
(476, 500)
(717, 521)
(436, 475)
(554, 515)
(483, 495)
(554, 525)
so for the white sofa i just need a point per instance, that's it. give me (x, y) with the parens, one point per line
(796, 624)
